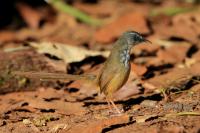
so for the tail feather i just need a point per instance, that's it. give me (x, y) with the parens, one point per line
(55, 76)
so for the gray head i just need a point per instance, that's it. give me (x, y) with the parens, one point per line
(133, 38)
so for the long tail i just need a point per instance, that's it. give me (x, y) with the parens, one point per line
(55, 76)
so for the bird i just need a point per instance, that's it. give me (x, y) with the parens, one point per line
(114, 73)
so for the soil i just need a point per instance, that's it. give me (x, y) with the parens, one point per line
(161, 95)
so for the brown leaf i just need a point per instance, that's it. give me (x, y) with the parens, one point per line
(131, 21)
(86, 89)
(30, 15)
(96, 126)
(68, 53)
(173, 54)
(7, 36)
(138, 69)
(131, 88)
(196, 56)
(195, 69)
(128, 90)
(42, 99)
(190, 21)
(145, 47)
(60, 106)
(175, 77)
(103, 8)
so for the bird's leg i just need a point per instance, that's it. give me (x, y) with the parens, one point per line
(109, 105)
(115, 107)
(109, 100)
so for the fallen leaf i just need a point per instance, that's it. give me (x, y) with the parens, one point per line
(7, 36)
(196, 56)
(164, 43)
(67, 53)
(128, 90)
(195, 69)
(188, 62)
(30, 15)
(131, 88)
(150, 48)
(96, 126)
(132, 21)
(41, 101)
(176, 77)
(190, 21)
(170, 129)
(86, 89)
(96, 9)
(175, 53)
(60, 106)
(138, 69)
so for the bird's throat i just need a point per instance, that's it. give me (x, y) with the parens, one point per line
(124, 56)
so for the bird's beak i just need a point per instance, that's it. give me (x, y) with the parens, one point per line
(147, 41)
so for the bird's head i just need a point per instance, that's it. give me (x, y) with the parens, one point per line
(134, 38)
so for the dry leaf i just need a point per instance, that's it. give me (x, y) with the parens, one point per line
(190, 21)
(98, 125)
(31, 16)
(175, 53)
(67, 53)
(138, 69)
(131, 21)
(176, 77)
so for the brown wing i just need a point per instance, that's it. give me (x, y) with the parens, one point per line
(105, 78)
(113, 79)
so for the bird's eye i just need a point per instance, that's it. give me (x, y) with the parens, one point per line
(136, 38)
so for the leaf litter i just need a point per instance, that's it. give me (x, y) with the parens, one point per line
(161, 95)
(67, 53)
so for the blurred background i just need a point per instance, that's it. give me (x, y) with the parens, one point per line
(85, 22)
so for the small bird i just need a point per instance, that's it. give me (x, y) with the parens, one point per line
(115, 71)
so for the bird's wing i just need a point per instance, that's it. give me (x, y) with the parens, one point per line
(106, 77)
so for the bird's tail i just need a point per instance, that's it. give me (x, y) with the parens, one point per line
(55, 76)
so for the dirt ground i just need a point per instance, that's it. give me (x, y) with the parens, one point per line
(162, 94)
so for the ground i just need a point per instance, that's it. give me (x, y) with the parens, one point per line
(163, 90)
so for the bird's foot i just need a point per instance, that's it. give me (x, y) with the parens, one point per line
(116, 112)
(112, 113)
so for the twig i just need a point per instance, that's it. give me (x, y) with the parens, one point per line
(61, 6)
(170, 11)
